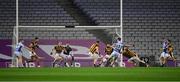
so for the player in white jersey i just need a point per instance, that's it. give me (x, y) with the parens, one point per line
(117, 51)
(117, 46)
(164, 54)
(19, 54)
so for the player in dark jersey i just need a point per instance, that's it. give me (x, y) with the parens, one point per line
(57, 53)
(94, 53)
(108, 50)
(170, 50)
(132, 56)
(32, 47)
(69, 57)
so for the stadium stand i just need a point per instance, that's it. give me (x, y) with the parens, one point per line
(44, 12)
(103, 12)
(55, 33)
(146, 22)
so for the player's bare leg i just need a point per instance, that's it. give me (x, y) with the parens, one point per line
(172, 57)
(94, 62)
(162, 61)
(35, 58)
(72, 61)
(132, 62)
(100, 62)
(165, 60)
(66, 61)
(113, 61)
(58, 59)
(19, 60)
(142, 62)
(24, 61)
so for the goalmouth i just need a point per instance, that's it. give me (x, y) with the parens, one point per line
(118, 30)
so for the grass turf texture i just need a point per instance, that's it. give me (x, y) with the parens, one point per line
(90, 74)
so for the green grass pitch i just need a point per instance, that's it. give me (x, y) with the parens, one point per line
(90, 74)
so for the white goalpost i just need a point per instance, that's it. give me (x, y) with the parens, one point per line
(15, 36)
(122, 64)
(118, 31)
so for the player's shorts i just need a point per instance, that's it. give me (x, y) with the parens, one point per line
(64, 56)
(18, 53)
(33, 56)
(115, 54)
(106, 57)
(57, 55)
(32, 53)
(165, 55)
(94, 55)
(68, 57)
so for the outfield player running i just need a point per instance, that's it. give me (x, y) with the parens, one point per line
(94, 52)
(108, 50)
(68, 55)
(32, 47)
(132, 56)
(58, 55)
(116, 52)
(19, 54)
(164, 54)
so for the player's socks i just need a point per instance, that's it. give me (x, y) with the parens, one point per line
(72, 58)
(95, 65)
(147, 65)
(67, 65)
(110, 65)
(165, 65)
(107, 64)
(99, 65)
(24, 64)
(72, 62)
(53, 64)
(38, 64)
(162, 65)
(20, 65)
